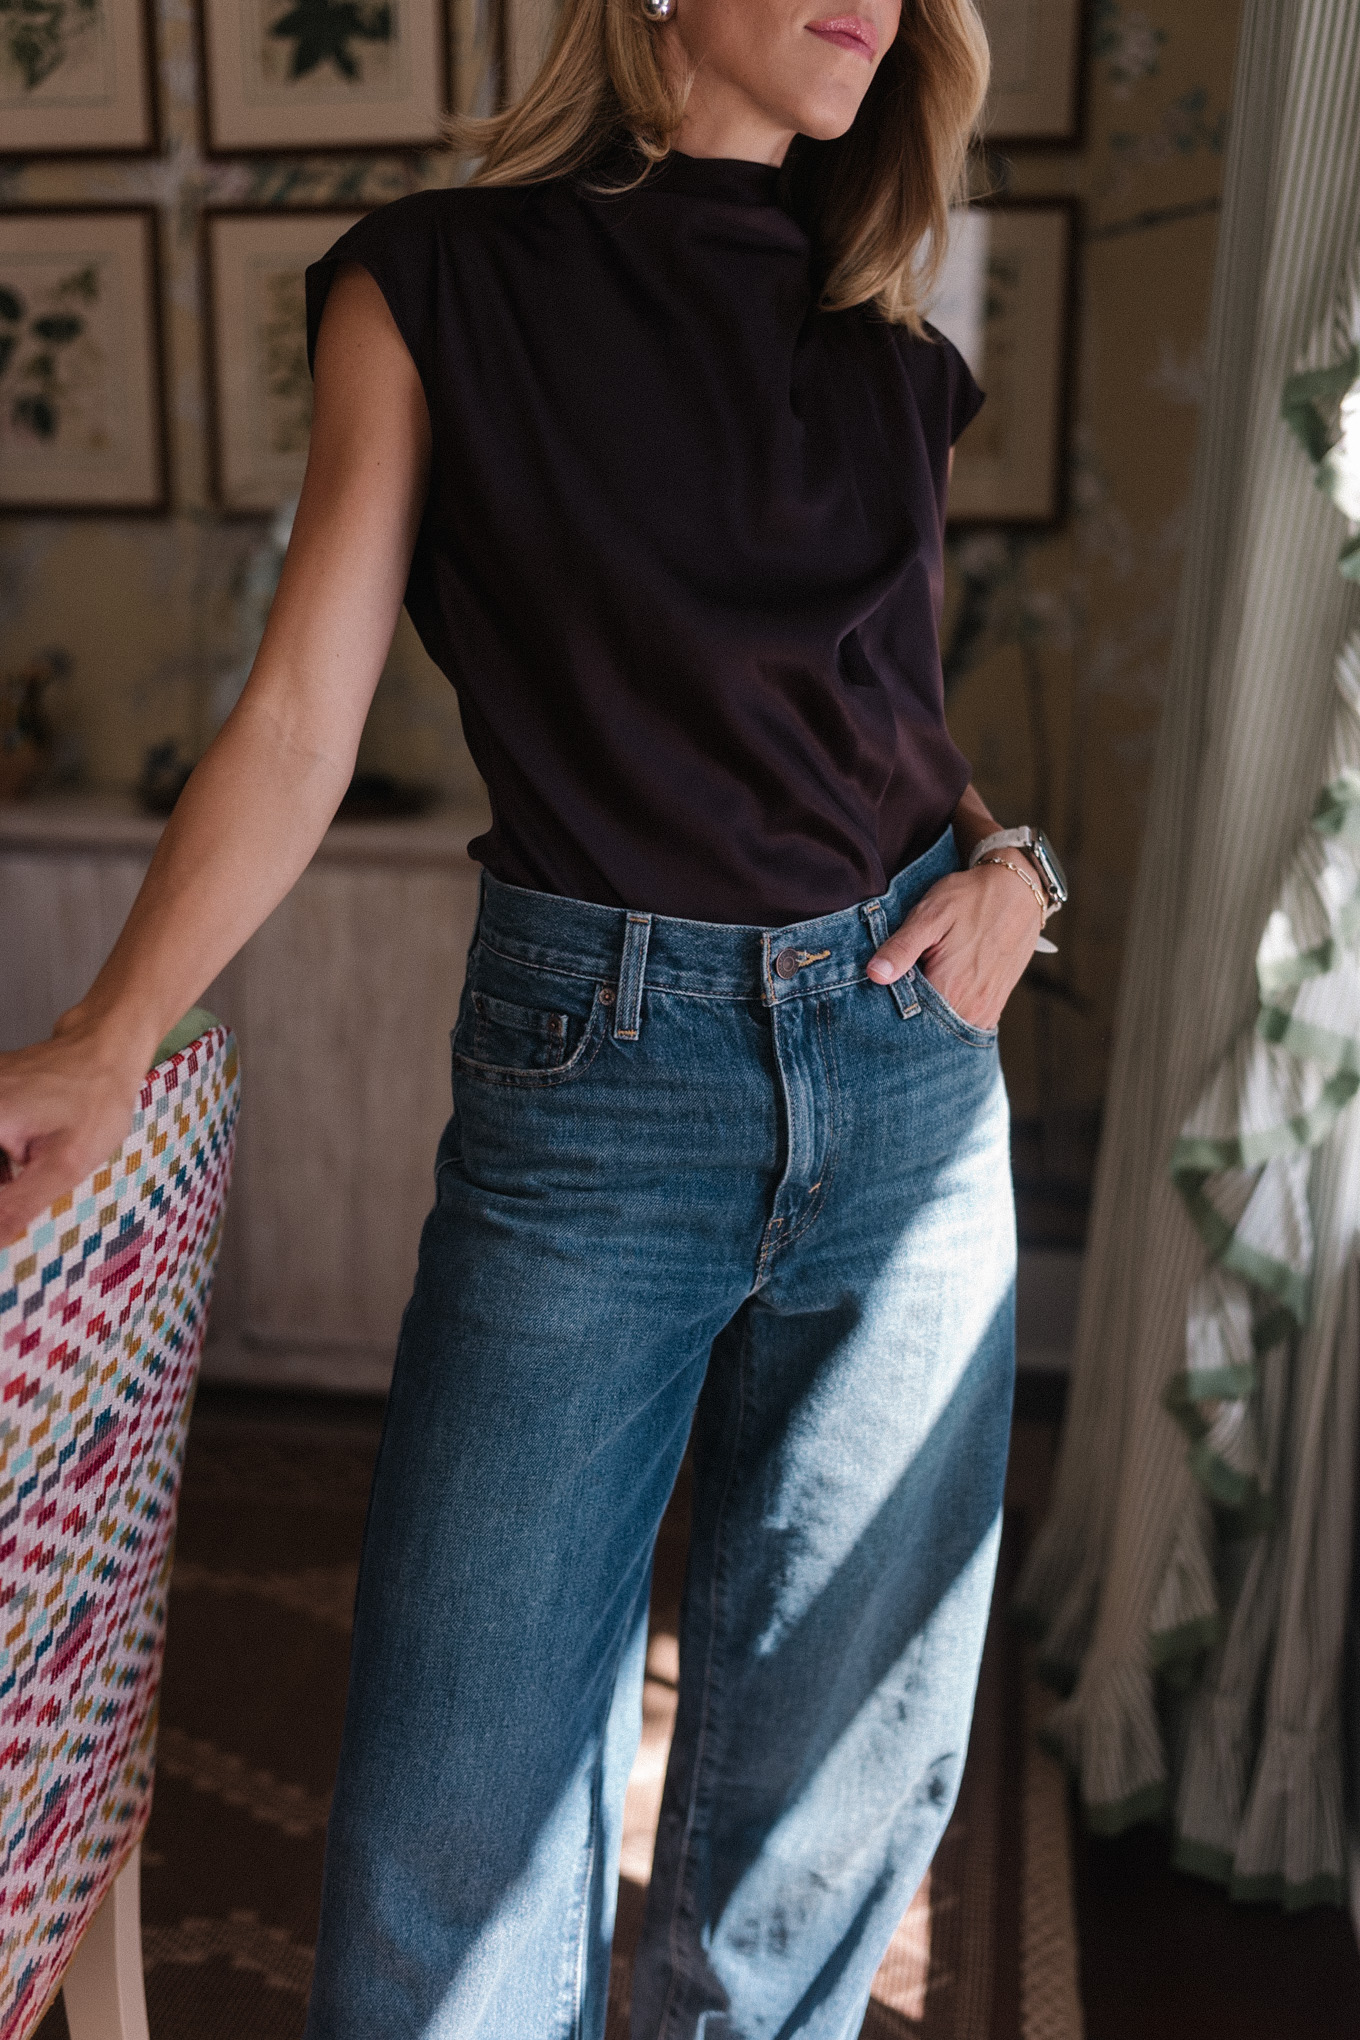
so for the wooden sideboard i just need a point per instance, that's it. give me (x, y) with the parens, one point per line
(343, 1004)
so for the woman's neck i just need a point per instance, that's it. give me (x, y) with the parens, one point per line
(720, 120)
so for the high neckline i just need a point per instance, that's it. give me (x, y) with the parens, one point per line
(730, 180)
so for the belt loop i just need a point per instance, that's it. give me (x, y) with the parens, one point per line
(632, 971)
(903, 988)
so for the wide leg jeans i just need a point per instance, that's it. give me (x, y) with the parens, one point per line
(701, 1183)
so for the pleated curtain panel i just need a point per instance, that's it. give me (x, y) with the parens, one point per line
(1190, 1585)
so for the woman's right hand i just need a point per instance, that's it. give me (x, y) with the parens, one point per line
(65, 1106)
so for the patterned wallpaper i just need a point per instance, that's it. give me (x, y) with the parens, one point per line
(1056, 645)
(158, 613)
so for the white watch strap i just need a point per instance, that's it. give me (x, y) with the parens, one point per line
(1001, 839)
(1011, 839)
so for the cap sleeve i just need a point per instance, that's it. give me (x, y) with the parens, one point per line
(396, 245)
(965, 399)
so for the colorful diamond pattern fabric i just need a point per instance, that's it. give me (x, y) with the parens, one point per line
(102, 1310)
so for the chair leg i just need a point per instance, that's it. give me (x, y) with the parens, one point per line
(103, 1988)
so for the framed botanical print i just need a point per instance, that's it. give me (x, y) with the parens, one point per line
(286, 75)
(76, 78)
(82, 424)
(1005, 298)
(1035, 94)
(256, 325)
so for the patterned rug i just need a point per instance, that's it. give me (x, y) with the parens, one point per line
(270, 1524)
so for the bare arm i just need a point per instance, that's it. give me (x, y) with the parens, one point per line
(974, 932)
(260, 800)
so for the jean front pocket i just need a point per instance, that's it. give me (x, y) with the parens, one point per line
(548, 1032)
(509, 1036)
(939, 1008)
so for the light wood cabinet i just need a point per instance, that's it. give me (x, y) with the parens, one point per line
(343, 1004)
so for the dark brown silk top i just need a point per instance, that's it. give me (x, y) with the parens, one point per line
(681, 555)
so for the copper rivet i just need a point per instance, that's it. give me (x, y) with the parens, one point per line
(606, 996)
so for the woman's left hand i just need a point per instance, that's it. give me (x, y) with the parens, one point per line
(973, 934)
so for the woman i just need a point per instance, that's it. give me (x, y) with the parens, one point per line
(645, 427)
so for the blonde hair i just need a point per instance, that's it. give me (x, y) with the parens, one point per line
(876, 199)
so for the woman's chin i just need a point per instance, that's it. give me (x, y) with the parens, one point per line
(828, 117)
(827, 130)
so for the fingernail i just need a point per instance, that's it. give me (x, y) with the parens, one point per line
(881, 972)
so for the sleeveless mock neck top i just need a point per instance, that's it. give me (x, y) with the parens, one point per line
(681, 552)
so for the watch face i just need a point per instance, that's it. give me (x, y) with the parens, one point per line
(1054, 876)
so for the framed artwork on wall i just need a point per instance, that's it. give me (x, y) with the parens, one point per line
(1005, 298)
(1035, 94)
(260, 389)
(527, 28)
(285, 76)
(77, 78)
(82, 423)
(474, 28)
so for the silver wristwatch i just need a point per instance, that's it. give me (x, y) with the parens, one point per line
(1042, 856)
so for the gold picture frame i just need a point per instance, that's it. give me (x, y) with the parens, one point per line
(1038, 52)
(82, 420)
(289, 77)
(1006, 299)
(260, 389)
(78, 80)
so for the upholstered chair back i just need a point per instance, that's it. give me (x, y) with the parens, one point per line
(102, 1311)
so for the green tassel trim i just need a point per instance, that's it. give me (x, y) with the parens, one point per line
(1271, 1329)
(1276, 1278)
(1289, 975)
(1249, 1518)
(1202, 1861)
(1336, 1052)
(1196, 1158)
(1312, 400)
(1311, 407)
(1322, 1890)
(1187, 1391)
(1250, 1507)
(1239, 1493)
(1216, 1867)
(1188, 1640)
(1115, 1816)
(1336, 811)
(1112, 1816)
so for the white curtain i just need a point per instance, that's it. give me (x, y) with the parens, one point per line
(1190, 1583)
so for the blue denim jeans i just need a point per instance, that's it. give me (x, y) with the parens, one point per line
(711, 1183)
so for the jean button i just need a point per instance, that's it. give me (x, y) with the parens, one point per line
(786, 963)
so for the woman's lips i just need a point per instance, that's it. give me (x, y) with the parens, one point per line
(848, 32)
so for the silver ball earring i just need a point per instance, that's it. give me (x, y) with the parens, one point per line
(658, 10)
